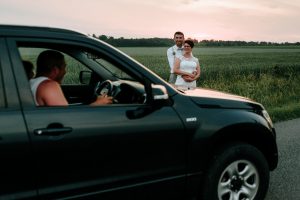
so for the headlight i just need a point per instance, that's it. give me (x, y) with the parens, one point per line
(267, 117)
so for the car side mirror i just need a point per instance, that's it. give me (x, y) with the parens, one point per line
(159, 92)
(156, 94)
(157, 97)
(85, 77)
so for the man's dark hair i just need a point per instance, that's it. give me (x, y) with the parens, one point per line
(190, 42)
(47, 60)
(178, 33)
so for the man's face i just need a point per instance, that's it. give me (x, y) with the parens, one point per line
(178, 40)
(61, 73)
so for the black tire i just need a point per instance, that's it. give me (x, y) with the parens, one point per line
(238, 172)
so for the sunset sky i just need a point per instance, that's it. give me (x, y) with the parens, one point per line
(248, 20)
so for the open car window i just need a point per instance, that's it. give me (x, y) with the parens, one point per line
(73, 66)
(86, 71)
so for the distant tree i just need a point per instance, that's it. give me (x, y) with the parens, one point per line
(103, 37)
(165, 42)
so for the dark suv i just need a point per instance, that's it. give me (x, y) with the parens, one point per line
(153, 142)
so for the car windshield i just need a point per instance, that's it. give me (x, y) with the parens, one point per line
(109, 67)
(116, 72)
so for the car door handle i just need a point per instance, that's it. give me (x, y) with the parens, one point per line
(52, 131)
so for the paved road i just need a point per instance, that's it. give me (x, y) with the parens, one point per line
(285, 180)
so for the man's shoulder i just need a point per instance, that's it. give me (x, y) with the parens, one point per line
(48, 84)
(35, 82)
(39, 79)
(171, 48)
(171, 51)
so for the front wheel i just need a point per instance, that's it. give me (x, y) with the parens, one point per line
(239, 172)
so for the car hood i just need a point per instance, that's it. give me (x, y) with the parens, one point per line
(216, 99)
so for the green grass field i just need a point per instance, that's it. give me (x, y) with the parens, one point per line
(270, 76)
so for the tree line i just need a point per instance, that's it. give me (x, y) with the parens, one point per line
(166, 42)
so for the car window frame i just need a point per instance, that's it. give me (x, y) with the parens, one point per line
(2, 64)
(25, 93)
(10, 90)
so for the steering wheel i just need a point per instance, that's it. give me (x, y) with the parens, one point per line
(104, 88)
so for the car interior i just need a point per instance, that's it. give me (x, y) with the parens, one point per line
(89, 74)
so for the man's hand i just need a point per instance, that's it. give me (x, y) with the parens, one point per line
(187, 78)
(190, 77)
(102, 99)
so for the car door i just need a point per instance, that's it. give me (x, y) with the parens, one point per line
(98, 151)
(17, 178)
